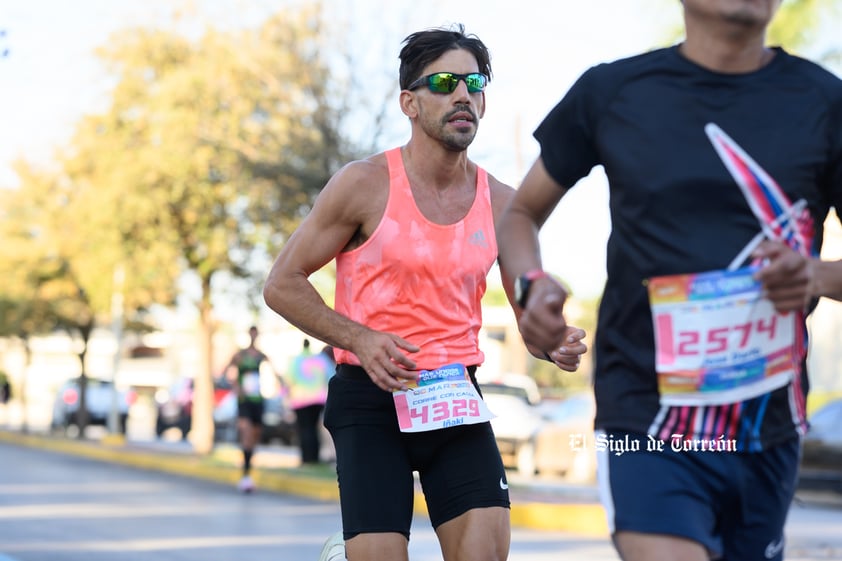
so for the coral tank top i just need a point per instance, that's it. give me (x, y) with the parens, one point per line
(420, 280)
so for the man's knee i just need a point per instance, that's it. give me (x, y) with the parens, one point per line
(637, 546)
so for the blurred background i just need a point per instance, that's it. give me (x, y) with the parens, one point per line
(156, 154)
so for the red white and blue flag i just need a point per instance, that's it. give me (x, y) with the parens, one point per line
(779, 218)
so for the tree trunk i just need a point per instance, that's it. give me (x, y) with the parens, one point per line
(202, 431)
(82, 413)
(27, 350)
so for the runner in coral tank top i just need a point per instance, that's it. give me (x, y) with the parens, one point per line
(429, 277)
(412, 232)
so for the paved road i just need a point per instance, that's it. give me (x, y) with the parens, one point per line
(56, 507)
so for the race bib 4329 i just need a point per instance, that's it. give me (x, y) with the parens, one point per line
(440, 398)
(717, 340)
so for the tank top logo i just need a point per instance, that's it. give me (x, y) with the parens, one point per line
(478, 239)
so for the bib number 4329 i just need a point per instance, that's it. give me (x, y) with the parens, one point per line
(441, 398)
(444, 410)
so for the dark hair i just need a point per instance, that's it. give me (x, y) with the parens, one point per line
(423, 47)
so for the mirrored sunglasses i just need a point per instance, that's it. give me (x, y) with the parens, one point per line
(446, 82)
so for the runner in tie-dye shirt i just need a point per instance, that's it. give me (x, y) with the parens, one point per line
(307, 379)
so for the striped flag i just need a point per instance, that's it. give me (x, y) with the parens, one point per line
(779, 218)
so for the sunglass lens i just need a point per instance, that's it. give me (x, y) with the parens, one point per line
(475, 82)
(443, 82)
(446, 82)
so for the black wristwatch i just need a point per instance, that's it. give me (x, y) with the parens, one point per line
(524, 282)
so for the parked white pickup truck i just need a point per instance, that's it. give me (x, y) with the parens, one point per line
(98, 399)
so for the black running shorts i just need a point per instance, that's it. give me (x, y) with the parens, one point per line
(251, 410)
(459, 467)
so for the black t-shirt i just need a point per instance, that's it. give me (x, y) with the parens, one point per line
(676, 209)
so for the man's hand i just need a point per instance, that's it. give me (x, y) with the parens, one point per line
(542, 323)
(381, 357)
(568, 356)
(786, 276)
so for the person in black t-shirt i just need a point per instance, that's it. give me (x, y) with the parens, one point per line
(723, 158)
(247, 362)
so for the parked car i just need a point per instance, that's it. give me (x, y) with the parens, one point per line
(98, 402)
(517, 420)
(564, 443)
(175, 410)
(174, 405)
(550, 437)
(821, 460)
(279, 421)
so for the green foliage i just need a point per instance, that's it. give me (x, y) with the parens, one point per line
(794, 27)
(42, 290)
(210, 153)
(796, 21)
(220, 145)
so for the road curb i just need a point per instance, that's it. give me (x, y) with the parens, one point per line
(583, 518)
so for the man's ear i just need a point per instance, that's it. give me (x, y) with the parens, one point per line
(409, 104)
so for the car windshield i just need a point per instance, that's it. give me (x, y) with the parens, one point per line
(570, 408)
(500, 389)
(91, 382)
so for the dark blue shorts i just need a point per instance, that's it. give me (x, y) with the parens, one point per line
(733, 503)
(459, 467)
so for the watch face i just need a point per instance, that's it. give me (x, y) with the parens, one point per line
(521, 290)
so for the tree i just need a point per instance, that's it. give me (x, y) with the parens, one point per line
(212, 151)
(795, 25)
(58, 262)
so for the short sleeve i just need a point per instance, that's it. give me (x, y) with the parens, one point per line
(566, 135)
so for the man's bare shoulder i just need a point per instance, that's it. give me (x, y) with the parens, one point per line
(356, 195)
(371, 172)
(501, 194)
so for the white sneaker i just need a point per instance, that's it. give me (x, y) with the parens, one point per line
(246, 485)
(334, 548)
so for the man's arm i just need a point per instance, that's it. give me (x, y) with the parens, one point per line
(827, 279)
(351, 202)
(541, 323)
(566, 356)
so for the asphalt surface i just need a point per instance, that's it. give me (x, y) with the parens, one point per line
(814, 528)
(61, 507)
(535, 504)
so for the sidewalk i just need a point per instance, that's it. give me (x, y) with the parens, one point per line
(535, 505)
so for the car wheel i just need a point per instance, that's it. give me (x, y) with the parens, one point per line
(71, 429)
(525, 459)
